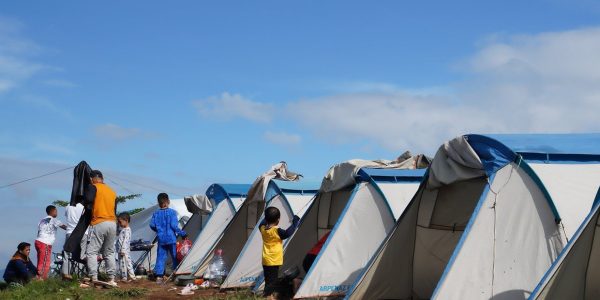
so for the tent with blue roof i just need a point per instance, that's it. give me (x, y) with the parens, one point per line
(369, 213)
(227, 200)
(359, 200)
(576, 273)
(291, 198)
(490, 217)
(239, 229)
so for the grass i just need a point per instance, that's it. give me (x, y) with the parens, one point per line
(239, 295)
(58, 289)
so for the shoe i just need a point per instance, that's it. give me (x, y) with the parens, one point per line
(186, 291)
(113, 283)
(160, 280)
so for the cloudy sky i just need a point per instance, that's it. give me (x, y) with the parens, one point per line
(165, 97)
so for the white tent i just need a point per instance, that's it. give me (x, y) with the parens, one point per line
(226, 200)
(576, 273)
(140, 224)
(291, 198)
(238, 231)
(360, 205)
(491, 216)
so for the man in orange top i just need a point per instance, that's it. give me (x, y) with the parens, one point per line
(102, 232)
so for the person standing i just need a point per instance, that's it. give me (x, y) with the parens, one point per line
(164, 222)
(123, 247)
(102, 232)
(45, 238)
(72, 215)
(272, 250)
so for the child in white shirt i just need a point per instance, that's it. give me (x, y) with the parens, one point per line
(45, 238)
(125, 264)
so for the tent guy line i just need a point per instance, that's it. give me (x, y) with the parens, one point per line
(71, 167)
(142, 185)
(36, 177)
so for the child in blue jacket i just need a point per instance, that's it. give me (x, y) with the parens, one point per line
(166, 225)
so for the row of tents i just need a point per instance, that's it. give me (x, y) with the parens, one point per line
(490, 216)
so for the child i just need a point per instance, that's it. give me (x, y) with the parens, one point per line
(45, 238)
(164, 222)
(272, 253)
(125, 264)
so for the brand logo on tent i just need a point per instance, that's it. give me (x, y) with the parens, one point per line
(248, 279)
(334, 288)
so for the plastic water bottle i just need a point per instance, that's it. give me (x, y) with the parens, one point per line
(217, 270)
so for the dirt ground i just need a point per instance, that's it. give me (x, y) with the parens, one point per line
(169, 291)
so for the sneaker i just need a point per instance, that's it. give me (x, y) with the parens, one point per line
(186, 291)
(112, 283)
(160, 280)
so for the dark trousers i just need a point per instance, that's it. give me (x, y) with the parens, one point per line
(271, 274)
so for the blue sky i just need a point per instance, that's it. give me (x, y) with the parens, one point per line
(178, 96)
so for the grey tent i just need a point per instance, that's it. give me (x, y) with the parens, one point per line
(576, 273)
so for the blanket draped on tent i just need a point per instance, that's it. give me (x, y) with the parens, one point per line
(344, 174)
(277, 171)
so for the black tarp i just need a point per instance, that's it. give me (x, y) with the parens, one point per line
(81, 182)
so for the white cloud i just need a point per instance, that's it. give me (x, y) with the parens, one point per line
(60, 83)
(230, 106)
(15, 65)
(282, 138)
(541, 83)
(536, 83)
(113, 132)
(395, 121)
(43, 104)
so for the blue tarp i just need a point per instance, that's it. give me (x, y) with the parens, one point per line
(391, 175)
(497, 150)
(576, 143)
(276, 187)
(219, 192)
